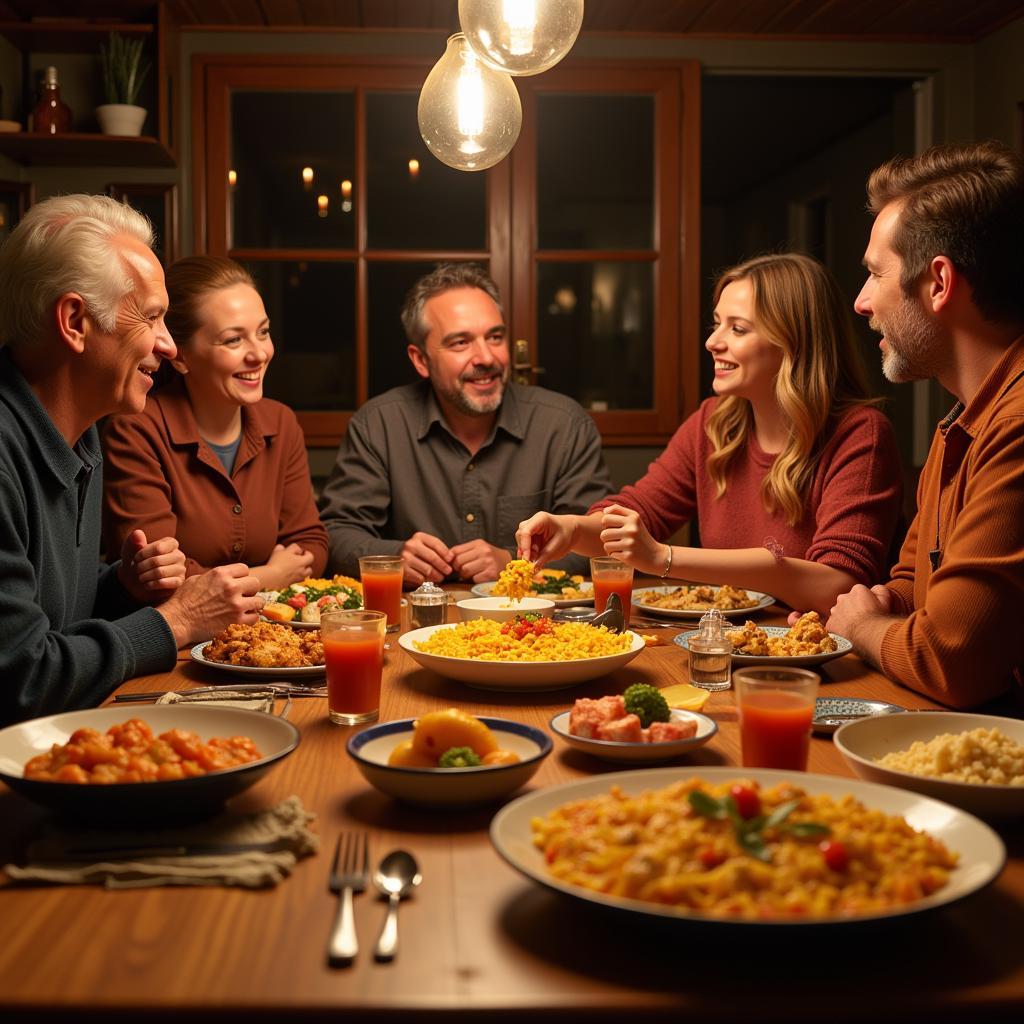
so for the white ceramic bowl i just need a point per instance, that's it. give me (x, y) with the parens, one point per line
(515, 676)
(448, 787)
(152, 803)
(863, 741)
(501, 609)
(637, 753)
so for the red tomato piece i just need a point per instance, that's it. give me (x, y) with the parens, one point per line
(298, 601)
(748, 803)
(835, 854)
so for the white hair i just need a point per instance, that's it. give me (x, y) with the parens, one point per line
(65, 244)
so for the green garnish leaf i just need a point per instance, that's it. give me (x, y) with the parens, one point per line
(752, 843)
(706, 805)
(807, 830)
(781, 813)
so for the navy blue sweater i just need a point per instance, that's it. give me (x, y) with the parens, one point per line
(69, 633)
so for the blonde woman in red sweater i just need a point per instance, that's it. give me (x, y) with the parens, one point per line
(790, 472)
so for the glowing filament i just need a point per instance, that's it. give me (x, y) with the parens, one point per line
(521, 18)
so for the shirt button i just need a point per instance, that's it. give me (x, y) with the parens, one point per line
(470, 517)
(471, 466)
(236, 547)
(237, 510)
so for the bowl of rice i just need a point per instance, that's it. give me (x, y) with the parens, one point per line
(973, 761)
(502, 609)
(554, 656)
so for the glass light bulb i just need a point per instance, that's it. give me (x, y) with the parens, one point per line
(521, 37)
(469, 114)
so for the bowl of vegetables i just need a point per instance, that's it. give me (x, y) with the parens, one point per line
(301, 605)
(449, 758)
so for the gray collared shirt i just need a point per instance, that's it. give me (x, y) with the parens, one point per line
(401, 470)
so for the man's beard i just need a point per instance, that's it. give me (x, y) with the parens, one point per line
(912, 343)
(470, 404)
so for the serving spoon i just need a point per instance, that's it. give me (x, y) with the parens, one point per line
(396, 877)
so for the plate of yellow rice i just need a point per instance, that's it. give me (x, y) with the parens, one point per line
(633, 841)
(480, 655)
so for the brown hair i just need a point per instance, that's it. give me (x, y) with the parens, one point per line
(798, 306)
(965, 202)
(188, 280)
(443, 278)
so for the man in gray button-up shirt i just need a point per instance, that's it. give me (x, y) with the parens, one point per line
(442, 471)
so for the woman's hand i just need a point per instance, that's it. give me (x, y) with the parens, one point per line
(625, 536)
(150, 571)
(544, 537)
(286, 565)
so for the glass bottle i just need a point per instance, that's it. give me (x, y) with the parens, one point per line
(711, 653)
(51, 115)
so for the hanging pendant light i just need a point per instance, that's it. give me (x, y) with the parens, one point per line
(469, 114)
(521, 37)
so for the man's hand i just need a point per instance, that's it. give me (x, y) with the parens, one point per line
(863, 616)
(479, 561)
(426, 558)
(625, 537)
(286, 565)
(150, 572)
(204, 605)
(545, 537)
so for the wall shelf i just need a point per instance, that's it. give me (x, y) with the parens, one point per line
(79, 149)
(68, 35)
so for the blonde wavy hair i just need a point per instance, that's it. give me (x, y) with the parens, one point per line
(799, 307)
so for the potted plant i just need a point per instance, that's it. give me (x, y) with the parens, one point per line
(123, 74)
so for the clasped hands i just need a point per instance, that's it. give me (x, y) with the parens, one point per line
(427, 557)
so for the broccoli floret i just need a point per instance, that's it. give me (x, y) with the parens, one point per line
(647, 703)
(459, 757)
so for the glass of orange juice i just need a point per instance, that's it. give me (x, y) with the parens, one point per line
(776, 706)
(354, 656)
(381, 576)
(612, 576)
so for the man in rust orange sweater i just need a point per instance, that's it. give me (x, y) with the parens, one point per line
(945, 289)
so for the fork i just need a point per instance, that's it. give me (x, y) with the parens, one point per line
(350, 878)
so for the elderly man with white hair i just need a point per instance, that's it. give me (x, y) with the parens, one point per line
(82, 304)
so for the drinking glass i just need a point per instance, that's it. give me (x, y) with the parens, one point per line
(611, 576)
(354, 656)
(381, 576)
(776, 706)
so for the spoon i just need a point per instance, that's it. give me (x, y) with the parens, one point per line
(396, 877)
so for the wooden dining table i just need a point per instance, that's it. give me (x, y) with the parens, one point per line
(478, 941)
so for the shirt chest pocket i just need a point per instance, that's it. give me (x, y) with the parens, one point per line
(513, 509)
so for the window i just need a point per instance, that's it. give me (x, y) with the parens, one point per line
(315, 177)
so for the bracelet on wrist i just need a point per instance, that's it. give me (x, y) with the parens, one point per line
(668, 562)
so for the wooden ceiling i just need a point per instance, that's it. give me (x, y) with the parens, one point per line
(961, 21)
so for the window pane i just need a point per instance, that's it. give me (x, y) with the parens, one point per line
(595, 172)
(312, 321)
(388, 285)
(274, 135)
(434, 208)
(595, 332)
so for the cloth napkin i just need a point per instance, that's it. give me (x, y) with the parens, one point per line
(285, 826)
(263, 700)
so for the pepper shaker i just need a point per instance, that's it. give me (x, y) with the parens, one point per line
(428, 606)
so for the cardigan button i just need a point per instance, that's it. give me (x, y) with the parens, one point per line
(470, 517)
(236, 547)
(237, 510)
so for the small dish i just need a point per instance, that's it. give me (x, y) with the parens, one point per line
(502, 609)
(762, 601)
(448, 787)
(132, 804)
(862, 742)
(832, 712)
(637, 753)
(485, 590)
(843, 646)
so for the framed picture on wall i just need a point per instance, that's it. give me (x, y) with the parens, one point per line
(159, 203)
(15, 198)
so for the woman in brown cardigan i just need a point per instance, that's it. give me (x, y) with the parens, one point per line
(210, 460)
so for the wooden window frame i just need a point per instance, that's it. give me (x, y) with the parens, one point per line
(511, 220)
(169, 191)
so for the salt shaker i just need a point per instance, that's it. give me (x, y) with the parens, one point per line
(428, 604)
(711, 653)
